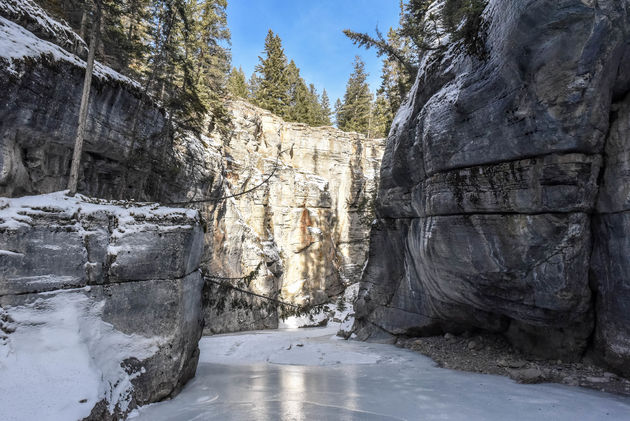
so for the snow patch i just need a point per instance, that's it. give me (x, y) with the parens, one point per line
(311, 347)
(60, 359)
(19, 212)
(31, 11)
(16, 44)
(314, 230)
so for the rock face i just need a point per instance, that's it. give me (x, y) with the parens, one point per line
(503, 187)
(102, 298)
(126, 153)
(29, 15)
(610, 270)
(306, 229)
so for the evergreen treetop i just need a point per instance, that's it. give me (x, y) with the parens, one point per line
(237, 85)
(325, 109)
(355, 113)
(279, 88)
(272, 91)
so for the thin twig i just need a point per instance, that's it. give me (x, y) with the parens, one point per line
(224, 284)
(217, 199)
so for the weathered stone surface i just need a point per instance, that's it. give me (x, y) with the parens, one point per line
(610, 268)
(489, 181)
(546, 86)
(614, 193)
(306, 229)
(128, 277)
(551, 183)
(610, 271)
(38, 115)
(126, 152)
(529, 268)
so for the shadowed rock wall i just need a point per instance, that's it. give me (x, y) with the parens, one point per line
(490, 182)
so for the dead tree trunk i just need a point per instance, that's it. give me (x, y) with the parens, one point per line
(85, 100)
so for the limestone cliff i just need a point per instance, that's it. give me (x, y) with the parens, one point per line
(308, 225)
(126, 151)
(100, 304)
(503, 197)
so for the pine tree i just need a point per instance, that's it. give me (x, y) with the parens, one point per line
(123, 34)
(272, 91)
(85, 99)
(279, 87)
(395, 80)
(205, 61)
(237, 85)
(381, 117)
(304, 106)
(253, 85)
(297, 92)
(355, 112)
(315, 114)
(326, 112)
(338, 111)
(136, 24)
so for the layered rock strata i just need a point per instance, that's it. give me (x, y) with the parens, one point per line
(126, 151)
(502, 201)
(102, 298)
(306, 228)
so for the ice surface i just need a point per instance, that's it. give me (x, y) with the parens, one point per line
(308, 374)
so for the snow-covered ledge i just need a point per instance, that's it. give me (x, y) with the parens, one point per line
(100, 305)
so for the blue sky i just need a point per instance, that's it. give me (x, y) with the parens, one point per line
(311, 35)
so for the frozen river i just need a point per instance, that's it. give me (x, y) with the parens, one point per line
(308, 374)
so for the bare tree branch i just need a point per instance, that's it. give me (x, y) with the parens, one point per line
(220, 198)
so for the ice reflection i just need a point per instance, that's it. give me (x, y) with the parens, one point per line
(292, 384)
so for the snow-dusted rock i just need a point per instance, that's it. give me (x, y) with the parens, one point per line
(100, 305)
(32, 17)
(306, 229)
(40, 85)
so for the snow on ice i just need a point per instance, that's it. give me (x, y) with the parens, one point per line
(60, 359)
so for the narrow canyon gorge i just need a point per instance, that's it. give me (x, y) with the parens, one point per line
(499, 203)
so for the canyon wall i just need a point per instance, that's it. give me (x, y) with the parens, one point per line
(126, 152)
(503, 196)
(306, 228)
(100, 305)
